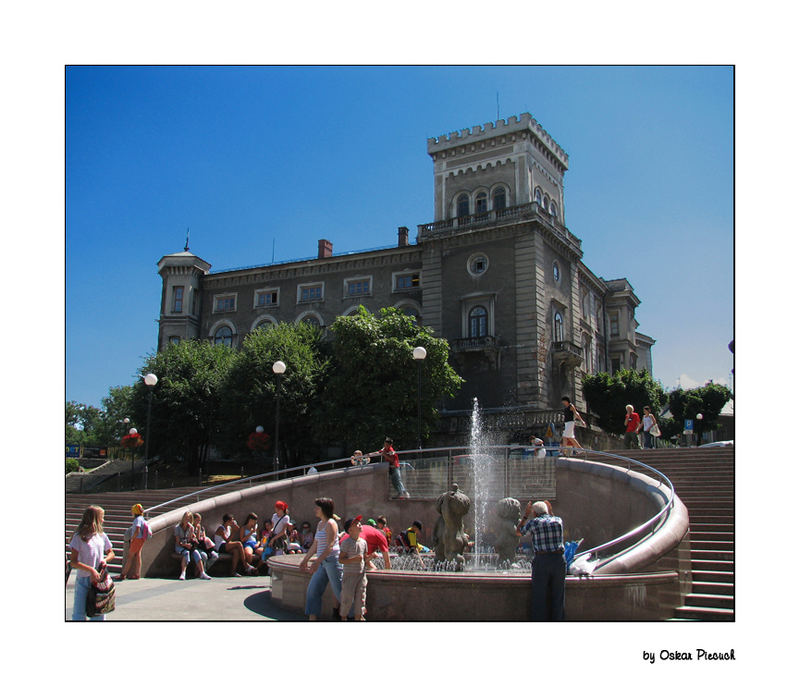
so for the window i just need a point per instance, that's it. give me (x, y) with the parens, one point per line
(478, 322)
(613, 321)
(553, 210)
(362, 286)
(481, 202)
(309, 292)
(312, 320)
(413, 312)
(499, 199)
(224, 336)
(225, 302)
(556, 271)
(477, 264)
(266, 298)
(558, 326)
(177, 299)
(587, 354)
(174, 339)
(537, 196)
(462, 205)
(634, 361)
(615, 365)
(585, 304)
(406, 281)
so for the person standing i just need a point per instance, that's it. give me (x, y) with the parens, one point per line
(132, 569)
(549, 569)
(325, 567)
(570, 415)
(632, 421)
(353, 552)
(647, 426)
(390, 455)
(90, 552)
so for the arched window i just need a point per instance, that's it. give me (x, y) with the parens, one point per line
(313, 320)
(478, 322)
(481, 202)
(224, 336)
(462, 205)
(558, 326)
(537, 196)
(553, 209)
(499, 199)
(413, 312)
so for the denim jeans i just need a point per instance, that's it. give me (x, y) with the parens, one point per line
(82, 585)
(397, 481)
(330, 570)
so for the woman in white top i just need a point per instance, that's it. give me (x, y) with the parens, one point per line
(280, 519)
(90, 552)
(326, 566)
(646, 425)
(226, 543)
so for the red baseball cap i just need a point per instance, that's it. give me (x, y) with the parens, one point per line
(351, 521)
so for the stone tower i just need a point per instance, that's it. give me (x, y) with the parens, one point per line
(181, 275)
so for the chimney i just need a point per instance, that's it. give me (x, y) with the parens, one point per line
(325, 249)
(402, 236)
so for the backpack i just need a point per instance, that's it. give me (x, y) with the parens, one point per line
(146, 531)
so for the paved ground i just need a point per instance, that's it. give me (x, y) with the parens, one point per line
(220, 598)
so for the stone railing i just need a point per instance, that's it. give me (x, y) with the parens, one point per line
(509, 215)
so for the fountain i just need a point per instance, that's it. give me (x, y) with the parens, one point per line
(492, 582)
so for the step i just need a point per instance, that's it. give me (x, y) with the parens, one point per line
(704, 613)
(713, 588)
(709, 600)
(711, 554)
(699, 544)
(709, 565)
(713, 576)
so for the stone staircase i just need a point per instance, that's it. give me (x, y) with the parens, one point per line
(117, 507)
(704, 481)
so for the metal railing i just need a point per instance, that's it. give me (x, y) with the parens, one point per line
(428, 473)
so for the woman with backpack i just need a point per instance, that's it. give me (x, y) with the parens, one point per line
(139, 533)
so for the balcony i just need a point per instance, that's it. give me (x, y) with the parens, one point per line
(476, 344)
(566, 353)
(517, 213)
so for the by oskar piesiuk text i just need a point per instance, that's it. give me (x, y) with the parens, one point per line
(696, 655)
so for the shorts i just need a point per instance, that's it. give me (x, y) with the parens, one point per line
(569, 430)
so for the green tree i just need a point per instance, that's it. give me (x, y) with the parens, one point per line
(708, 400)
(185, 407)
(249, 394)
(83, 424)
(607, 395)
(371, 391)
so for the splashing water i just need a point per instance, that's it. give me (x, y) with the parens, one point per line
(487, 484)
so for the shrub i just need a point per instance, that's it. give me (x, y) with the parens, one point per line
(72, 465)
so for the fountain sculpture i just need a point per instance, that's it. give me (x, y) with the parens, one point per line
(507, 514)
(449, 539)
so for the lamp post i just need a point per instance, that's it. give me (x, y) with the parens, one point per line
(150, 381)
(278, 367)
(126, 421)
(419, 354)
(699, 418)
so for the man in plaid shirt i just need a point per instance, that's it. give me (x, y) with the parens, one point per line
(549, 569)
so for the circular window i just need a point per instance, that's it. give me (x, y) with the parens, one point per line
(556, 271)
(477, 264)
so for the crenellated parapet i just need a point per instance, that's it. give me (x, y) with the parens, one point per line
(524, 126)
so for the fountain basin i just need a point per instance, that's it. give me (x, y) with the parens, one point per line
(420, 596)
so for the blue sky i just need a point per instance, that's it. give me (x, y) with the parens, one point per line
(245, 157)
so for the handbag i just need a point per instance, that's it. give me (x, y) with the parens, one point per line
(101, 597)
(655, 431)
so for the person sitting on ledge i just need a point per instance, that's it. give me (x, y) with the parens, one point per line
(249, 539)
(226, 543)
(358, 458)
(185, 547)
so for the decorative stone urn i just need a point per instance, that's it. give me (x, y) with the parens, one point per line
(449, 539)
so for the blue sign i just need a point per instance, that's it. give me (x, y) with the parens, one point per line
(688, 425)
(73, 450)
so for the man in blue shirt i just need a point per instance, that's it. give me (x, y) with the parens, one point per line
(549, 569)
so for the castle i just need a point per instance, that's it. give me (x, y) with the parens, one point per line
(497, 273)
